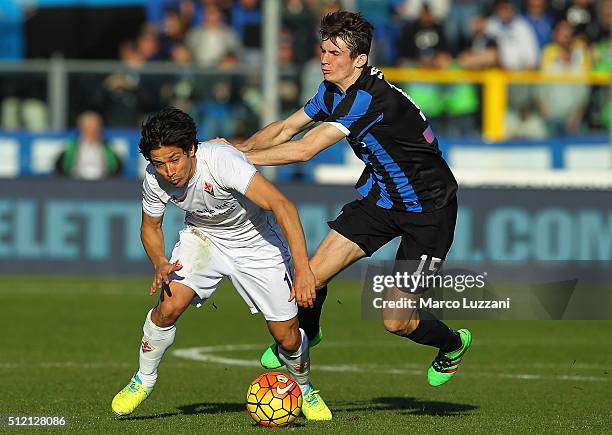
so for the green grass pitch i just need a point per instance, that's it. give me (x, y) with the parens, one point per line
(69, 344)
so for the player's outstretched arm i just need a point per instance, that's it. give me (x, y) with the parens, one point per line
(316, 140)
(152, 238)
(267, 196)
(276, 133)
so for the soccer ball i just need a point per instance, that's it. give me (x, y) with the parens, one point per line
(274, 399)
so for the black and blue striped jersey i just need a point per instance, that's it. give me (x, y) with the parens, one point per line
(389, 133)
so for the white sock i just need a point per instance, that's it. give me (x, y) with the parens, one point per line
(298, 363)
(305, 388)
(154, 343)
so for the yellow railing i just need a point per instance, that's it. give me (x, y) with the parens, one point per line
(495, 88)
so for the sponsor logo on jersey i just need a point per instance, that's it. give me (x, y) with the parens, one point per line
(209, 188)
(146, 346)
(429, 135)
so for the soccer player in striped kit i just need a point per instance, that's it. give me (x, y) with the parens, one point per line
(407, 188)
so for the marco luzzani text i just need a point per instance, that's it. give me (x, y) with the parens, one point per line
(410, 283)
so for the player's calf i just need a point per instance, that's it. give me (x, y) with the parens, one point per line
(403, 328)
(155, 341)
(298, 366)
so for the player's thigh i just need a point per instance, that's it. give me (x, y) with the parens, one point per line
(427, 240)
(264, 282)
(359, 231)
(203, 266)
(334, 254)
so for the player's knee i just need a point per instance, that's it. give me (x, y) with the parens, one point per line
(168, 313)
(290, 341)
(319, 283)
(402, 328)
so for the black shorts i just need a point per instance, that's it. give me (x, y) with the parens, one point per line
(371, 227)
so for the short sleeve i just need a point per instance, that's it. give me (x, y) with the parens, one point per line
(152, 204)
(355, 114)
(315, 108)
(232, 171)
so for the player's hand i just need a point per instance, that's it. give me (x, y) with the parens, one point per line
(161, 275)
(303, 288)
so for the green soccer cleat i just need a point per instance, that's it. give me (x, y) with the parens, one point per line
(445, 365)
(270, 360)
(128, 399)
(313, 406)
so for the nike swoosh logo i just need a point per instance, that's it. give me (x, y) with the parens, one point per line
(282, 391)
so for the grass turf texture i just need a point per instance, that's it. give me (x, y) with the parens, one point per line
(69, 344)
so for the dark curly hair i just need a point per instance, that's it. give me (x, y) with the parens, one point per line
(351, 27)
(169, 126)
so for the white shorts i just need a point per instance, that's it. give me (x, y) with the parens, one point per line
(260, 272)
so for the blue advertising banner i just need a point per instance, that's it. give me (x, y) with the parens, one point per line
(62, 226)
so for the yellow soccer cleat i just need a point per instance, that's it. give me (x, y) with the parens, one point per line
(313, 406)
(128, 399)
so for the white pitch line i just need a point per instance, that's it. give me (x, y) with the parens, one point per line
(206, 354)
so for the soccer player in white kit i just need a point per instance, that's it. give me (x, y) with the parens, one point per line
(228, 232)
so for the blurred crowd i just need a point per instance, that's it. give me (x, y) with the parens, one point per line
(220, 37)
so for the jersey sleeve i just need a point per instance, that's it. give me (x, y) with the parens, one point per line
(356, 114)
(315, 108)
(231, 169)
(152, 204)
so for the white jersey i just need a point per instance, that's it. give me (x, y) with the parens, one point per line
(214, 198)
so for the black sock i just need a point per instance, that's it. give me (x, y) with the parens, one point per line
(309, 317)
(432, 332)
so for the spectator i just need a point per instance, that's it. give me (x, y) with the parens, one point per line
(602, 61)
(172, 32)
(217, 112)
(178, 91)
(288, 87)
(88, 157)
(480, 50)
(147, 45)
(517, 47)
(380, 15)
(310, 75)
(461, 99)
(526, 123)
(423, 43)
(213, 39)
(458, 23)
(128, 93)
(582, 16)
(516, 42)
(540, 20)
(601, 97)
(188, 11)
(563, 105)
(409, 10)
(246, 22)
(300, 20)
